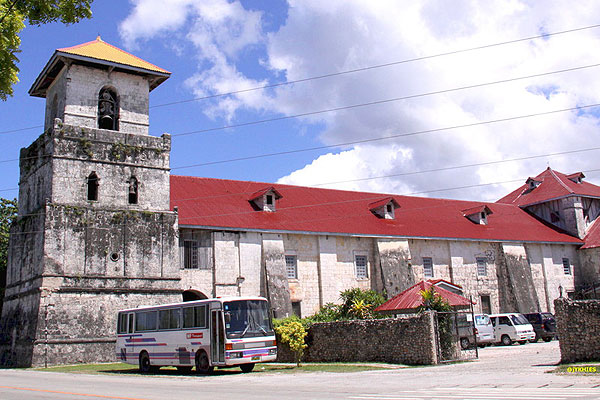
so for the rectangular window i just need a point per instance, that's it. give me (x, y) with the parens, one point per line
(291, 267)
(360, 263)
(428, 267)
(297, 309)
(481, 266)
(122, 328)
(145, 321)
(169, 319)
(194, 317)
(567, 266)
(486, 304)
(190, 254)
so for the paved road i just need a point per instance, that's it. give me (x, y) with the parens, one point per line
(512, 373)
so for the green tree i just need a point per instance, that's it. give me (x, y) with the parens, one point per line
(14, 13)
(433, 301)
(8, 213)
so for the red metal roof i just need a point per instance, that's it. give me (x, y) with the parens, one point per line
(218, 203)
(592, 239)
(411, 298)
(554, 185)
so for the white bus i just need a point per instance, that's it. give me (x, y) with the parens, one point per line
(221, 332)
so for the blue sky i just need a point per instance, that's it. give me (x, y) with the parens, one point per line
(216, 46)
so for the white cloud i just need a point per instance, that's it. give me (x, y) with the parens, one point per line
(320, 37)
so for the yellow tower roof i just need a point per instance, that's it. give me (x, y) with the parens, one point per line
(101, 54)
(101, 50)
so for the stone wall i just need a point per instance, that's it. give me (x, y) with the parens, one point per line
(81, 85)
(578, 324)
(408, 339)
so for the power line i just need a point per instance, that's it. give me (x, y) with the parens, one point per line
(462, 166)
(376, 196)
(406, 134)
(350, 107)
(371, 196)
(333, 74)
(291, 187)
(377, 102)
(393, 63)
(21, 129)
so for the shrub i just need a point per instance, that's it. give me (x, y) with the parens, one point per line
(292, 332)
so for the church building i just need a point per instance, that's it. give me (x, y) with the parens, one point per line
(104, 226)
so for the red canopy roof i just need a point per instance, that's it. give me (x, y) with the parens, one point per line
(411, 299)
(223, 204)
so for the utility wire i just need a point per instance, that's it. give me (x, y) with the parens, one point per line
(377, 102)
(370, 197)
(292, 187)
(541, 36)
(406, 134)
(355, 106)
(405, 61)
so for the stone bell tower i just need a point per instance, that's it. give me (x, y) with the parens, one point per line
(94, 232)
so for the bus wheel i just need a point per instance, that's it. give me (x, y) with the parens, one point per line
(247, 367)
(202, 364)
(145, 366)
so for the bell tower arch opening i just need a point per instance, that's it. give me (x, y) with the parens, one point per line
(108, 109)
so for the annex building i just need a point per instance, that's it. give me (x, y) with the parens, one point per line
(104, 226)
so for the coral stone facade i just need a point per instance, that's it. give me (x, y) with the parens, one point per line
(103, 226)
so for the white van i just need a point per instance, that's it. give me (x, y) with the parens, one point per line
(512, 327)
(483, 329)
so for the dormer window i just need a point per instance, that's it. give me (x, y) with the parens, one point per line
(533, 183)
(478, 215)
(576, 177)
(384, 208)
(265, 199)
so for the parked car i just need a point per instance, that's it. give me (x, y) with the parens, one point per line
(543, 324)
(511, 327)
(482, 329)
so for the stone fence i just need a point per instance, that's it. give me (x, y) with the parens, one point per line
(578, 324)
(407, 339)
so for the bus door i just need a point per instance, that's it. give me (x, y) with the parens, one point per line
(217, 337)
(126, 326)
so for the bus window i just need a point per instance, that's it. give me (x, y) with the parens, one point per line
(145, 321)
(122, 323)
(169, 319)
(130, 325)
(194, 317)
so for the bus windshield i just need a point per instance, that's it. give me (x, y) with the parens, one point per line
(247, 318)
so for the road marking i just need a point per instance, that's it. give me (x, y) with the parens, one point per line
(485, 393)
(70, 393)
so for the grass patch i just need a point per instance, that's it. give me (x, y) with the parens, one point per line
(127, 369)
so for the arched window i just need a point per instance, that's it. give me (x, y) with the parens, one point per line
(92, 186)
(133, 190)
(108, 110)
